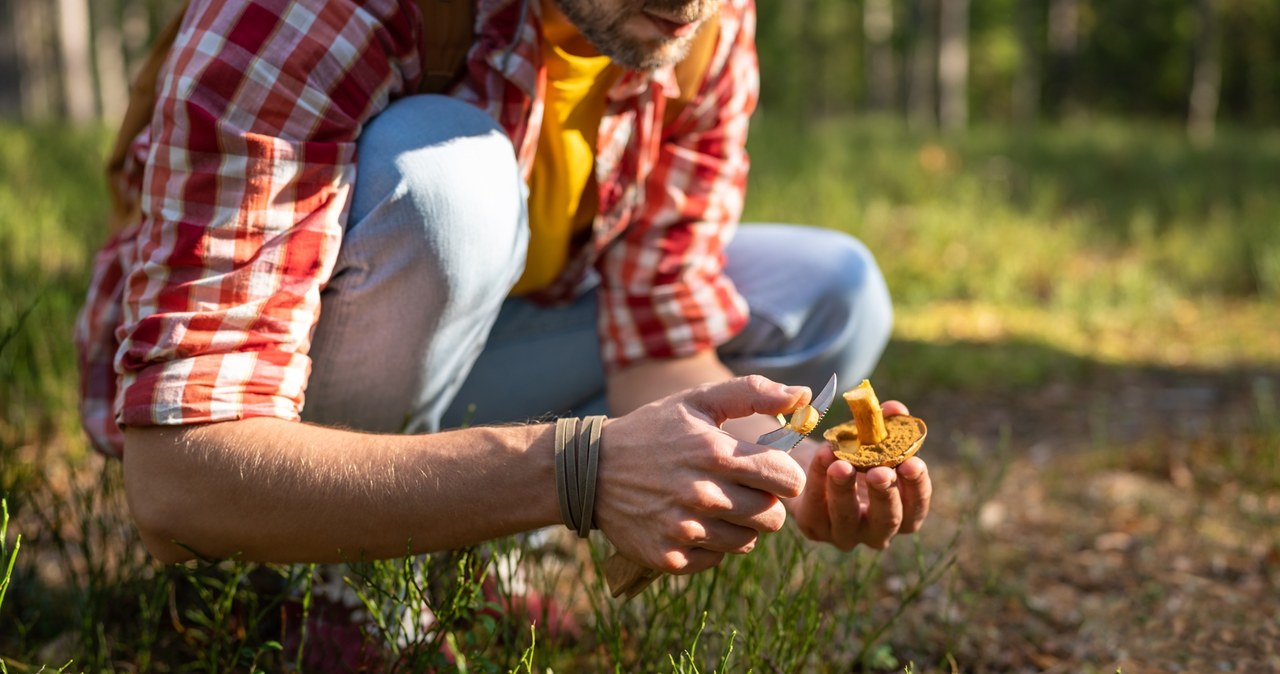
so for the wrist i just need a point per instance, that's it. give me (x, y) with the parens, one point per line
(529, 473)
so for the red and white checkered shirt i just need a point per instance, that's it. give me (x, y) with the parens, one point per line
(202, 311)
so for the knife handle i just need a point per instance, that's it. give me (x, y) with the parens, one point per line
(627, 577)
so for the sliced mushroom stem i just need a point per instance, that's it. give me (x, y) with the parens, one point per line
(867, 415)
(805, 419)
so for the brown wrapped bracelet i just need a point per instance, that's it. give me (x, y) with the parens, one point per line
(589, 442)
(577, 456)
(566, 432)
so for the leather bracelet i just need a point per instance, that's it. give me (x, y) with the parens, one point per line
(594, 426)
(566, 437)
(577, 457)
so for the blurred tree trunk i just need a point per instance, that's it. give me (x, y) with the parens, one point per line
(135, 28)
(108, 47)
(1026, 79)
(922, 102)
(877, 30)
(812, 60)
(790, 59)
(1206, 77)
(10, 86)
(77, 63)
(37, 59)
(953, 64)
(1064, 45)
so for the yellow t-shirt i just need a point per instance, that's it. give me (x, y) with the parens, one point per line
(562, 185)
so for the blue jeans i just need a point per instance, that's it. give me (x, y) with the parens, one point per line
(417, 332)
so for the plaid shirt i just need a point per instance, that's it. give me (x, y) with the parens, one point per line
(202, 311)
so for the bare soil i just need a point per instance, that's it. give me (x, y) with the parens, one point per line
(1132, 523)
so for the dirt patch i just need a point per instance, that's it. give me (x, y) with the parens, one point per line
(1136, 527)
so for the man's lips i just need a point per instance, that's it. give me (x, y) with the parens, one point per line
(672, 28)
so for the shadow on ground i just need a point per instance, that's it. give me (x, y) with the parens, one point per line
(1040, 399)
(1133, 517)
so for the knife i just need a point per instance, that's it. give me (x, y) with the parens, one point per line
(786, 438)
(627, 577)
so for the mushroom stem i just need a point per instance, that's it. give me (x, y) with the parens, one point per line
(804, 420)
(867, 415)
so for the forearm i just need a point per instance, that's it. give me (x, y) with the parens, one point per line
(277, 491)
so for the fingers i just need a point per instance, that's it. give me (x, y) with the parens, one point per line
(725, 519)
(744, 396)
(738, 506)
(844, 507)
(664, 465)
(814, 497)
(766, 519)
(917, 491)
(884, 510)
(872, 508)
(893, 408)
(702, 542)
(684, 561)
(767, 470)
(721, 536)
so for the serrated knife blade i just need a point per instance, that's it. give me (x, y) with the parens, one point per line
(786, 438)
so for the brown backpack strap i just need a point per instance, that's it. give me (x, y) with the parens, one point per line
(693, 69)
(142, 104)
(448, 31)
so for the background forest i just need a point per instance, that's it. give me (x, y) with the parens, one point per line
(938, 63)
(1074, 203)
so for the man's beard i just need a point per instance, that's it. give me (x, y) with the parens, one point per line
(606, 30)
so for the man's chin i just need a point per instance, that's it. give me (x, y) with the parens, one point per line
(649, 56)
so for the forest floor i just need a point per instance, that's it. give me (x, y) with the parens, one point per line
(1132, 523)
(1095, 353)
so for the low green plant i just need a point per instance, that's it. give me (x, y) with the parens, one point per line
(225, 616)
(1098, 233)
(1071, 218)
(1266, 464)
(7, 556)
(688, 662)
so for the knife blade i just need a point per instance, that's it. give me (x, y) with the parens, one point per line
(786, 438)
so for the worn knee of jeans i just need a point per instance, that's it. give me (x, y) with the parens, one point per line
(828, 312)
(436, 236)
(446, 177)
(859, 295)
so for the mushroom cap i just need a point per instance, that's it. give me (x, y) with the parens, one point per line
(906, 435)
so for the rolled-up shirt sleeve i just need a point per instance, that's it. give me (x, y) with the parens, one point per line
(244, 199)
(664, 293)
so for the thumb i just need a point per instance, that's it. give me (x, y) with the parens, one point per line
(744, 396)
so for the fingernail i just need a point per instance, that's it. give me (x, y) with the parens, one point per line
(842, 480)
(913, 470)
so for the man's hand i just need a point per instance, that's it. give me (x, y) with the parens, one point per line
(847, 508)
(676, 493)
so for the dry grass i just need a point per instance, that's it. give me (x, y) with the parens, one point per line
(1095, 354)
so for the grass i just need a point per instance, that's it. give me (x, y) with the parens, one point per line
(1077, 257)
(7, 557)
(1109, 242)
(1107, 215)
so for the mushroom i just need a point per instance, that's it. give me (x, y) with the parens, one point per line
(805, 419)
(872, 439)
